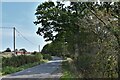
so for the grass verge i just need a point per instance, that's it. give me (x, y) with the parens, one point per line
(11, 69)
(67, 72)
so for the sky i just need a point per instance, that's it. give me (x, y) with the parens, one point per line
(21, 16)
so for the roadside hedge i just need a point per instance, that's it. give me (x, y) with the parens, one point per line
(16, 61)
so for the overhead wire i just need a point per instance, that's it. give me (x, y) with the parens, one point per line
(7, 27)
(19, 33)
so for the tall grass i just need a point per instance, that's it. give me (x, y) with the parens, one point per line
(16, 61)
(87, 66)
(21, 62)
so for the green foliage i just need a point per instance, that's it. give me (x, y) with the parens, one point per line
(83, 65)
(92, 66)
(105, 65)
(34, 52)
(24, 50)
(16, 61)
(47, 56)
(68, 74)
(38, 57)
(83, 28)
(47, 49)
(54, 49)
(11, 69)
(8, 50)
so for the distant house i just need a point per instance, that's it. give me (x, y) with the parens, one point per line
(22, 53)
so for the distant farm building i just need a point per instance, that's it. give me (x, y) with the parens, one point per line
(22, 53)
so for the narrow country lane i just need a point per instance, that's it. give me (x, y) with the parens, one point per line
(49, 70)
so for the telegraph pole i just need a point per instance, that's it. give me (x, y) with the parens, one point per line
(14, 39)
(39, 48)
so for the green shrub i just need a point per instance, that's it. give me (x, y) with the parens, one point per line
(34, 53)
(68, 74)
(84, 65)
(16, 61)
(47, 56)
(38, 57)
(9, 69)
(105, 65)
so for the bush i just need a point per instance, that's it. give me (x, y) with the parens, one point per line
(68, 73)
(9, 69)
(84, 65)
(38, 56)
(47, 56)
(8, 50)
(34, 53)
(16, 61)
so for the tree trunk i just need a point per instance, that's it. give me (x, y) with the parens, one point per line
(77, 34)
(76, 50)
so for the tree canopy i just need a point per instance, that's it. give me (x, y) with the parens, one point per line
(24, 50)
(8, 50)
(82, 28)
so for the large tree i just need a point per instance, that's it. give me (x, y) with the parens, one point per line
(61, 19)
(83, 28)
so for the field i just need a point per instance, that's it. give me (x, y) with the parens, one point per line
(6, 54)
